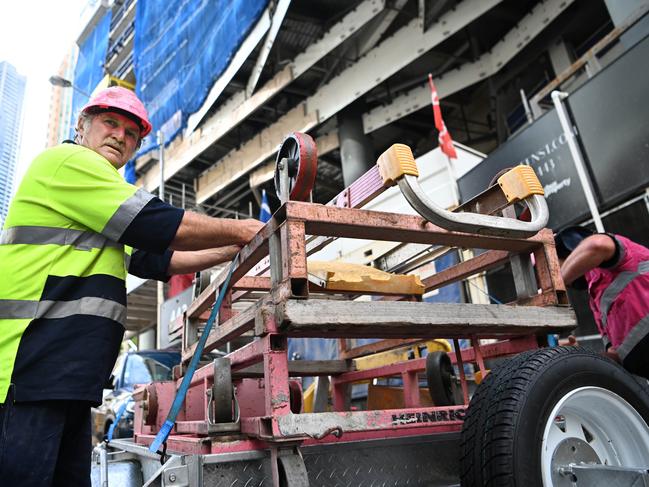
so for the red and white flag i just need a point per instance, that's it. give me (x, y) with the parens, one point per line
(444, 138)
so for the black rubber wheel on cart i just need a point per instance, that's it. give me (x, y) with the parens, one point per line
(295, 394)
(223, 392)
(292, 471)
(440, 377)
(548, 408)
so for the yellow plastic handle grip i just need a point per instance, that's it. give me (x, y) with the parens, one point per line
(396, 162)
(519, 183)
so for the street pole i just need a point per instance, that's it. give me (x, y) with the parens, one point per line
(557, 96)
(161, 195)
(526, 105)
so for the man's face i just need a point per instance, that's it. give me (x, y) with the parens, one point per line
(112, 135)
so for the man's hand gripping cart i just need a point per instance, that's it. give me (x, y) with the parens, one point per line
(244, 422)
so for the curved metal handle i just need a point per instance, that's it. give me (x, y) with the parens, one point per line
(475, 222)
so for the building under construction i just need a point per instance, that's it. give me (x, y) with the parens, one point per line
(396, 319)
(225, 82)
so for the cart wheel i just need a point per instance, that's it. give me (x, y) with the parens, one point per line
(440, 377)
(300, 151)
(292, 471)
(549, 408)
(295, 391)
(221, 392)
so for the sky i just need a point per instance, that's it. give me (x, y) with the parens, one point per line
(35, 35)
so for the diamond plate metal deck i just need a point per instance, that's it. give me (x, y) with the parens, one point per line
(412, 462)
(249, 473)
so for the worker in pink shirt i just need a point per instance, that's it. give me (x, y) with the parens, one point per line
(615, 270)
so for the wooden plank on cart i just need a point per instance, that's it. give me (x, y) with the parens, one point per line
(381, 319)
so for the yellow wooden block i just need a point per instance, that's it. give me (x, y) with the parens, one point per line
(400, 354)
(343, 276)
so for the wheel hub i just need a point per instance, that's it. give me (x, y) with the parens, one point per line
(591, 426)
(571, 451)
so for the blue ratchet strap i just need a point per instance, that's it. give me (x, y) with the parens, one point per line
(118, 416)
(168, 425)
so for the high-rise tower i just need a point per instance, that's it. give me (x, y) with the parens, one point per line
(12, 94)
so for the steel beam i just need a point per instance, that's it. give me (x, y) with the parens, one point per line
(486, 65)
(371, 35)
(392, 55)
(372, 69)
(592, 53)
(276, 22)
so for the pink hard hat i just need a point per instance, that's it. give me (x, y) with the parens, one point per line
(122, 100)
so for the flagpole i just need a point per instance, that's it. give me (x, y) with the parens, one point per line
(444, 140)
(264, 208)
(454, 186)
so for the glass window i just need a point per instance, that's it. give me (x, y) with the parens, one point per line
(117, 371)
(142, 370)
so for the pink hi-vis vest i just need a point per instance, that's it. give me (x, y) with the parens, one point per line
(619, 297)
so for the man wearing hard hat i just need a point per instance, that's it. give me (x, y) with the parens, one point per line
(65, 250)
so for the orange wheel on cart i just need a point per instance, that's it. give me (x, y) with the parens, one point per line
(300, 153)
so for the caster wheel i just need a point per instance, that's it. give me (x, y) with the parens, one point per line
(299, 152)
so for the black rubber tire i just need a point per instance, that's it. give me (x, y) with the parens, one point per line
(440, 375)
(503, 428)
(292, 471)
(295, 394)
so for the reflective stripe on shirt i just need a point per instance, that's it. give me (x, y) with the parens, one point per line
(635, 336)
(126, 213)
(616, 287)
(16, 309)
(104, 308)
(36, 235)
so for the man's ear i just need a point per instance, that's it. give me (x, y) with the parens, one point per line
(79, 128)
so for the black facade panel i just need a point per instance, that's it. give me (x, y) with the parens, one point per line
(612, 113)
(544, 147)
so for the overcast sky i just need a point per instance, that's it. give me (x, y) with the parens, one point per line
(35, 36)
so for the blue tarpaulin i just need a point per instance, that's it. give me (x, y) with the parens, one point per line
(181, 48)
(451, 293)
(89, 69)
(129, 172)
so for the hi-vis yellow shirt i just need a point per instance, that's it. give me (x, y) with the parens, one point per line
(63, 265)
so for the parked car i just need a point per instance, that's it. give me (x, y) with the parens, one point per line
(131, 368)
